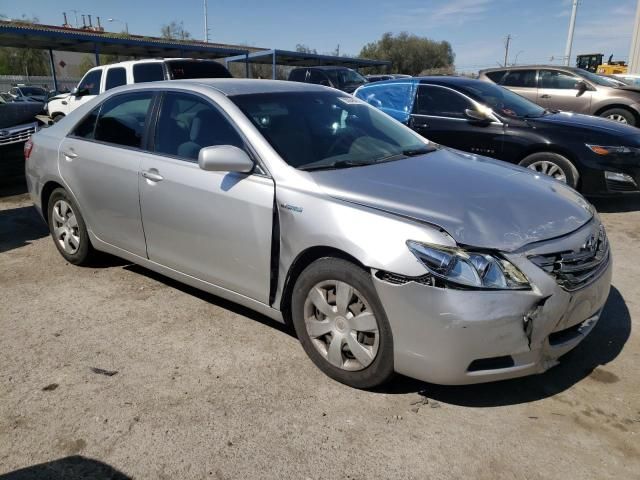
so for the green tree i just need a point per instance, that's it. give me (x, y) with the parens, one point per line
(85, 65)
(410, 53)
(174, 31)
(24, 61)
(300, 47)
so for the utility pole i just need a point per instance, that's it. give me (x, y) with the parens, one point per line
(572, 26)
(507, 42)
(206, 23)
(634, 54)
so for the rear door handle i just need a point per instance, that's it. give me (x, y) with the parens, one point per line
(70, 154)
(545, 96)
(152, 175)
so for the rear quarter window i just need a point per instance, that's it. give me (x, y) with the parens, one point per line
(148, 72)
(496, 76)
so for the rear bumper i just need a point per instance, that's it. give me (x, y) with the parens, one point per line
(450, 337)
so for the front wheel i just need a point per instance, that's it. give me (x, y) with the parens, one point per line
(341, 324)
(553, 165)
(620, 115)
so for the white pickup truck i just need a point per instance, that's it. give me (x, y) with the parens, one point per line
(102, 78)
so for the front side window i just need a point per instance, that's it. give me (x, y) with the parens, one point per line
(314, 130)
(520, 78)
(319, 78)
(148, 72)
(188, 123)
(122, 119)
(441, 102)
(115, 78)
(558, 80)
(501, 100)
(90, 84)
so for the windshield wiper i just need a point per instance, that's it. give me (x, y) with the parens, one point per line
(333, 165)
(413, 152)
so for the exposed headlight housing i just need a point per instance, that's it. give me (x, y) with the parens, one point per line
(609, 150)
(469, 269)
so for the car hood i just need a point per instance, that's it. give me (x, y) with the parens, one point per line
(585, 122)
(59, 96)
(480, 202)
(18, 113)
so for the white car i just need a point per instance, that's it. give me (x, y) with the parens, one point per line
(100, 79)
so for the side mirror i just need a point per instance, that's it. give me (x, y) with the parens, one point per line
(477, 115)
(581, 87)
(79, 92)
(224, 158)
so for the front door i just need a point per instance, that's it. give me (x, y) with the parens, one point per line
(558, 90)
(215, 226)
(88, 88)
(439, 115)
(100, 159)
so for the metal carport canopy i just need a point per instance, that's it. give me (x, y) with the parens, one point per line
(303, 59)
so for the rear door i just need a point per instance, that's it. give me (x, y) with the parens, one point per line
(558, 90)
(100, 161)
(439, 115)
(214, 226)
(522, 82)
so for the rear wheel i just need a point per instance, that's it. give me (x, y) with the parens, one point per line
(553, 165)
(341, 323)
(620, 115)
(68, 229)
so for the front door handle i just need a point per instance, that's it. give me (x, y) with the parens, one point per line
(546, 95)
(152, 175)
(70, 154)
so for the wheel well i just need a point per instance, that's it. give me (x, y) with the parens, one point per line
(47, 190)
(554, 149)
(302, 261)
(622, 107)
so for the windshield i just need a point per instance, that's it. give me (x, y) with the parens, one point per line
(598, 79)
(326, 130)
(345, 76)
(180, 69)
(31, 91)
(501, 100)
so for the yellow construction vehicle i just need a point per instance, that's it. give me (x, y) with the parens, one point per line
(593, 63)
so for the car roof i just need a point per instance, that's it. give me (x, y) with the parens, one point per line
(154, 60)
(235, 86)
(529, 67)
(324, 67)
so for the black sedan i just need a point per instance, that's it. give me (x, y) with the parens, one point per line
(594, 155)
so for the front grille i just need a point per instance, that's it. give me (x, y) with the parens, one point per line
(575, 269)
(9, 136)
(616, 186)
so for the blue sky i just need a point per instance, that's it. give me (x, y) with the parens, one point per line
(475, 28)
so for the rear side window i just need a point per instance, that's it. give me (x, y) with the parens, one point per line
(297, 75)
(197, 69)
(122, 119)
(441, 102)
(115, 78)
(557, 79)
(86, 128)
(520, 78)
(496, 76)
(319, 78)
(188, 123)
(148, 72)
(91, 82)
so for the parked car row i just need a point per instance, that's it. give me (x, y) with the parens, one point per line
(594, 155)
(386, 252)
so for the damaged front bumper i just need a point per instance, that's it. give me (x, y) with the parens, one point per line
(449, 336)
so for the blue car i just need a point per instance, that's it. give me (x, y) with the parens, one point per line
(591, 154)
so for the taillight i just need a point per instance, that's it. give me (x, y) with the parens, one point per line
(28, 146)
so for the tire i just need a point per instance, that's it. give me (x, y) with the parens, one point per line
(67, 228)
(554, 165)
(362, 326)
(620, 115)
(57, 117)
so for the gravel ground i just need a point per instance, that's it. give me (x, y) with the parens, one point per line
(116, 372)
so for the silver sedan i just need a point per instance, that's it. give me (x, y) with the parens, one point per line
(387, 253)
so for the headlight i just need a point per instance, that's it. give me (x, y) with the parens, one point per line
(608, 150)
(469, 269)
